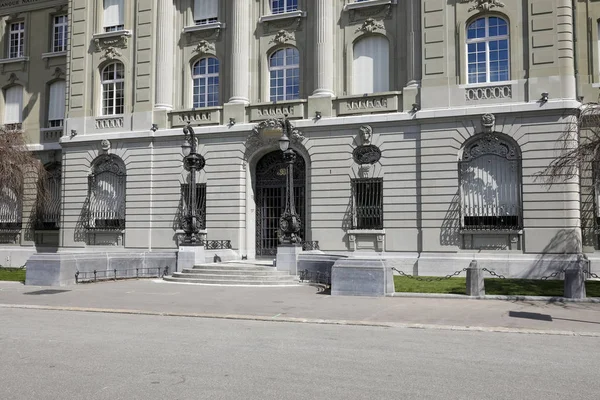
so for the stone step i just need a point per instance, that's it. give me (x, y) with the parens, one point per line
(222, 277)
(231, 282)
(229, 267)
(233, 271)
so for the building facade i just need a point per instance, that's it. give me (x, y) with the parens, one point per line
(422, 126)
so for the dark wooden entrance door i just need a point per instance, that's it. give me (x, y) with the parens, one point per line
(270, 175)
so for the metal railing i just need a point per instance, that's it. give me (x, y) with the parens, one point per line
(323, 278)
(116, 274)
(216, 244)
(310, 245)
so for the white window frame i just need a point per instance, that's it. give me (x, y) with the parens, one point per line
(287, 7)
(487, 39)
(196, 78)
(117, 25)
(380, 73)
(60, 29)
(16, 39)
(286, 69)
(16, 117)
(112, 85)
(204, 19)
(56, 106)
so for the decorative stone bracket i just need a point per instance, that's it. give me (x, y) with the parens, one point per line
(110, 42)
(211, 31)
(369, 9)
(290, 21)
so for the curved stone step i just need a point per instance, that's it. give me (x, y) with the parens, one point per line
(232, 271)
(221, 277)
(227, 267)
(231, 282)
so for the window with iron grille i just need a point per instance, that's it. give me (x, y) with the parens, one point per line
(367, 198)
(60, 33)
(106, 193)
(200, 204)
(16, 40)
(490, 184)
(10, 209)
(48, 208)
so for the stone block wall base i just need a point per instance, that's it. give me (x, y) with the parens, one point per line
(361, 277)
(58, 269)
(287, 259)
(194, 254)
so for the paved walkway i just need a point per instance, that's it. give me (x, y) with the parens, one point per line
(306, 304)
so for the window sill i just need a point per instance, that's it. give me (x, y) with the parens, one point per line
(52, 135)
(53, 54)
(484, 85)
(282, 16)
(365, 231)
(113, 34)
(491, 232)
(368, 3)
(14, 60)
(205, 27)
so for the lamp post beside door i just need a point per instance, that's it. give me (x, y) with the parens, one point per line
(289, 222)
(191, 251)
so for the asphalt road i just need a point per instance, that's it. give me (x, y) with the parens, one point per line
(72, 355)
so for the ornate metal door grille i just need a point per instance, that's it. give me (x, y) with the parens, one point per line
(270, 199)
(49, 209)
(106, 187)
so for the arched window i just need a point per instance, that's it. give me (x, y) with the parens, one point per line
(56, 104)
(488, 58)
(106, 192)
(13, 109)
(113, 86)
(490, 183)
(283, 6)
(370, 67)
(284, 70)
(48, 206)
(205, 74)
(11, 203)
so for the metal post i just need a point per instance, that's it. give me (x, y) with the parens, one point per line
(193, 162)
(289, 223)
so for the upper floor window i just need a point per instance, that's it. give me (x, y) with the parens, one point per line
(490, 184)
(284, 70)
(16, 45)
(205, 74)
(370, 67)
(13, 109)
(56, 104)
(487, 50)
(206, 11)
(367, 200)
(60, 33)
(113, 15)
(113, 86)
(283, 6)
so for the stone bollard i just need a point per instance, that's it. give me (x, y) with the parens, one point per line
(575, 281)
(475, 285)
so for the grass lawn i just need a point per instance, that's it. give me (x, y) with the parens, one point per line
(12, 274)
(507, 287)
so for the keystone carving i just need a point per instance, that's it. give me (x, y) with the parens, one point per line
(370, 25)
(488, 123)
(282, 36)
(257, 140)
(483, 5)
(204, 47)
(109, 45)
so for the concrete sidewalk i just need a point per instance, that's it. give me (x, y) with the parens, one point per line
(307, 304)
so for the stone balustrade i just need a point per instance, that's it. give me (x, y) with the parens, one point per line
(368, 103)
(203, 116)
(295, 109)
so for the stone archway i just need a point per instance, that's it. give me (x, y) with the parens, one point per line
(270, 182)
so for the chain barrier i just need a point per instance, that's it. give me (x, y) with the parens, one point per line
(493, 273)
(591, 274)
(441, 278)
(554, 274)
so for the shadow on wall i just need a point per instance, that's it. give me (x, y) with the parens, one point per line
(587, 221)
(80, 233)
(562, 250)
(450, 231)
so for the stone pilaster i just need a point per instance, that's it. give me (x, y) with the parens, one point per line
(164, 55)
(240, 50)
(324, 61)
(413, 51)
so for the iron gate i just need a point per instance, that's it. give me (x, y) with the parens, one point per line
(270, 199)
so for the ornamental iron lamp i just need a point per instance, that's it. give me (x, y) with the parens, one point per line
(289, 222)
(193, 162)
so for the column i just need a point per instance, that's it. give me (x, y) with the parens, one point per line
(240, 50)
(413, 51)
(324, 61)
(164, 55)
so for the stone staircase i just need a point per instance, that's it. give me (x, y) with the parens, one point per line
(235, 273)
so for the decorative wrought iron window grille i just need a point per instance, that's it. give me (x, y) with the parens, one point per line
(367, 200)
(490, 184)
(200, 204)
(106, 194)
(11, 209)
(48, 209)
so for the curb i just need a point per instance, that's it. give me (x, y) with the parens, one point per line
(548, 299)
(277, 318)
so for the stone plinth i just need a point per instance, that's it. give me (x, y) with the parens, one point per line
(361, 277)
(475, 282)
(188, 256)
(287, 258)
(574, 284)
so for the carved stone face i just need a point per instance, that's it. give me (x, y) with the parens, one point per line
(366, 132)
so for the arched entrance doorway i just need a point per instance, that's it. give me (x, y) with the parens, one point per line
(270, 199)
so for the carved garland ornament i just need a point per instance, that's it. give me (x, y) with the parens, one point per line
(483, 5)
(370, 26)
(257, 140)
(204, 47)
(282, 36)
